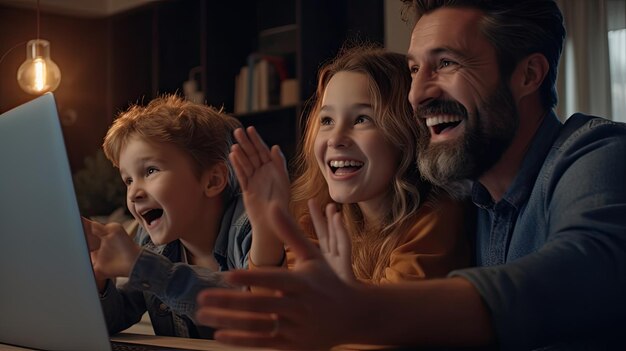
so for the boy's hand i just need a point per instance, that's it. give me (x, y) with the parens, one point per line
(116, 253)
(263, 177)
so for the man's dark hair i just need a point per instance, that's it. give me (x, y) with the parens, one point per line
(516, 29)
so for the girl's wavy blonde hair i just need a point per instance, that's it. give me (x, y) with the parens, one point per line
(389, 84)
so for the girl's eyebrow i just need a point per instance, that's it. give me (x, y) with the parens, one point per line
(326, 108)
(358, 106)
(361, 105)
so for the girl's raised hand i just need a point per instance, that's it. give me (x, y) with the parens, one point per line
(263, 177)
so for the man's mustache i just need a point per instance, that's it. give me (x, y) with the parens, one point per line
(441, 107)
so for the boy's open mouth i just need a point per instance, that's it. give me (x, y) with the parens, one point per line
(152, 215)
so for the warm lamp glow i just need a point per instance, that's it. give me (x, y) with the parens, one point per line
(38, 74)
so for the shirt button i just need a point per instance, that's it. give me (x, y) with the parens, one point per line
(163, 307)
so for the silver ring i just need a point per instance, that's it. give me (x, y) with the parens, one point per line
(276, 327)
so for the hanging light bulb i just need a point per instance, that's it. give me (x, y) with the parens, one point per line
(38, 74)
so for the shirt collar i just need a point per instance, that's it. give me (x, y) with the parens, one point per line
(519, 191)
(232, 211)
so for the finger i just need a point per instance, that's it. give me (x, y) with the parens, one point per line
(220, 318)
(344, 244)
(93, 227)
(273, 278)
(247, 147)
(288, 232)
(331, 212)
(278, 158)
(259, 144)
(93, 241)
(319, 224)
(240, 172)
(243, 162)
(246, 301)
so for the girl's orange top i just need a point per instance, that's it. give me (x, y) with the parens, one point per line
(437, 243)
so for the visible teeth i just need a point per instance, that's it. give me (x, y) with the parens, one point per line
(346, 163)
(433, 121)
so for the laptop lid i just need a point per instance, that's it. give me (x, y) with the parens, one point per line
(48, 295)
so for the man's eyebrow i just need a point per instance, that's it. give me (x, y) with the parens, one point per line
(439, 51)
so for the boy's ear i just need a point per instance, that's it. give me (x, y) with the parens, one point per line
(215, 179)
(528, 75)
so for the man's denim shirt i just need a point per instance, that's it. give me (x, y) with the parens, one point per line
(163, 285)
(561, 230)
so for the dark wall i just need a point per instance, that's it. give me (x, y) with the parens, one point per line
(109, 63)
(79, 47)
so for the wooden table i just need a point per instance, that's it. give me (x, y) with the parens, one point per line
(163, 341)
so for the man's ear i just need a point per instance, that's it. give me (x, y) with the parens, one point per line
(528, 75)
(215, 179)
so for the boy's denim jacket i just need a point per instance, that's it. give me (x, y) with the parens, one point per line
(165, 287)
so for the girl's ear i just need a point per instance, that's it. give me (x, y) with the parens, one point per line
(215, 179)
(528, 75)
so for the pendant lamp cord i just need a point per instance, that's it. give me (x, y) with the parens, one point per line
(37, 19)
(23, 42)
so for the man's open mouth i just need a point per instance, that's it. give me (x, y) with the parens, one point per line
(440, 124)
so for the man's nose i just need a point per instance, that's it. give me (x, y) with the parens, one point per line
(424, 88)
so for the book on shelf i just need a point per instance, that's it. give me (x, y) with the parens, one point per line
(258, 84)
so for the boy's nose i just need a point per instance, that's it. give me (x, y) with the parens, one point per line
(135, 193)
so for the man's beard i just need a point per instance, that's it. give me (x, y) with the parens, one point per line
(487, 135)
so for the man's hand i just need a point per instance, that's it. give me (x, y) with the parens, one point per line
(309, 308)
(333, 239)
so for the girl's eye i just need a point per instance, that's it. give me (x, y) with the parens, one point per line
(151, 170)
(361, 119)
(414, 69)
(326, 121)
(128, 181)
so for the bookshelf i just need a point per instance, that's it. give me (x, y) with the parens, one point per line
(168, 39)
(304, 34)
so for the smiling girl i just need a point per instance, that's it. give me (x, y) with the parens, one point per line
(359, 151)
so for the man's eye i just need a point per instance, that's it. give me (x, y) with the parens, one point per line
(446, 63)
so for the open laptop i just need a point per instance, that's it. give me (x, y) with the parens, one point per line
(48, 294)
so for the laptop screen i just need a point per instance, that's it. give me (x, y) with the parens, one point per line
(48, 296)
